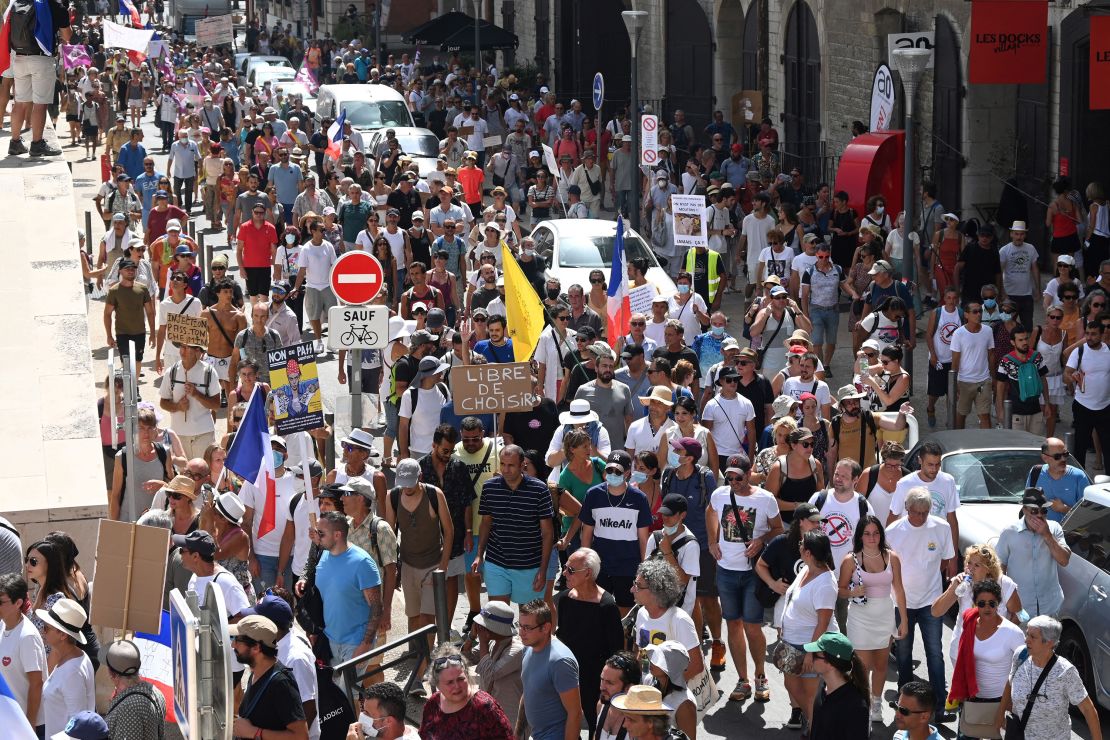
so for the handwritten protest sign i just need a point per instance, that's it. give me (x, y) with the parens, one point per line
(181, 329)
(492, 388)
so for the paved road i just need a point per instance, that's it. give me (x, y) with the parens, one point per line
(727, 719)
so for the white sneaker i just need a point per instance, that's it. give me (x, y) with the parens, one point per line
(877, 710)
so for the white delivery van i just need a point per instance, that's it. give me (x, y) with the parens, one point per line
(369, 107)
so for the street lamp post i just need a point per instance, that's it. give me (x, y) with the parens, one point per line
(634, 21)
(477, 36)
(911, 64)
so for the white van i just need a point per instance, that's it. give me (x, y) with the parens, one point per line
(369, 107)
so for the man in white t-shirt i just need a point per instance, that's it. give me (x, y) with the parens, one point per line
(22, 653)
(923, 543)
(753, 237)
(729, 416)
(1021, 276)
(190, 391)
(973, 356)
(315, 261)
(657, 322)
(266, 546)
(740, 521)
(647, 433)
(1088, 367)
(177, 301)
(198, 550)
(803, 262)
(806, 382)
(419, 410)
(940, 485)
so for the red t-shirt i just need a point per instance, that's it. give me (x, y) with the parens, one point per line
(543, 113)
(156, 221)
(258, 243)
(472, 179)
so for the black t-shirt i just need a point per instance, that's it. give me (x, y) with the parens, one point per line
(579, 374)
(278, 704)
(319, 140)
(760, 393)
(683, 354)
(534, 430)
(980, 268)
(405, 204)
(842, 715)
(437, 120)
(404, 370)
(701, 275)
(783, 558)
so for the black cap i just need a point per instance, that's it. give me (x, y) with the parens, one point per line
(334, 490)
(673, 503)
(197, 541)
(986, 230)
(315, 469)
(128, 264)
(1034, 497)
(621, 458)
(631, 350)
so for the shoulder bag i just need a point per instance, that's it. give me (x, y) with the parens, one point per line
(1015, 726)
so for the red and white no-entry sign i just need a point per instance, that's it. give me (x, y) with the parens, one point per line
(356, 277)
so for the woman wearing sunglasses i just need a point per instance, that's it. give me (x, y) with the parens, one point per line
(982, 658)
(44, 565)
(1050, 340)
(458, 708)
(796, 475)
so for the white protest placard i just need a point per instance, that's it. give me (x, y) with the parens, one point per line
(640, 298)
(690, 229)
(214, 31)
(913, 40)
(649, 140)
(489, 142)
(122, 37)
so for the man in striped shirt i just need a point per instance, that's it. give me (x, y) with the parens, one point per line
(516, 535)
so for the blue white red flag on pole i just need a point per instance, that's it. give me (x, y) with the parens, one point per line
(126, 7)
(12, 718)
(251, 458)
(156, 668)
(619, 309)
(335, 136)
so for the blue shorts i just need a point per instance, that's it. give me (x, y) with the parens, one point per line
(516, 583)
(825, 323)
(801, 646)
(553, 566)
(391, 417)
(737, 593)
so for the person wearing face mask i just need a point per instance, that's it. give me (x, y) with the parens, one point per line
(676, 544)
(992, 314)
(532, 264)
(708, 346)
(183, 165)
(383, 714)
(266, 545)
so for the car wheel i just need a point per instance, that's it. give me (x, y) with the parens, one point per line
(1074, 648)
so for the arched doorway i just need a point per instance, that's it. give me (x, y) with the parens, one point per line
(729, 59)
(689, 63)
(591, 38)
(802, 112)
(947, 114)
(1082, 130)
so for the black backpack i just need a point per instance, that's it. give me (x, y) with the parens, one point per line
(24, 23)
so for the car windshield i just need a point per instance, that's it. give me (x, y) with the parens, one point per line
(368, 114)
(422, 146)
(275, 74)
(597, 251)
(991, 476)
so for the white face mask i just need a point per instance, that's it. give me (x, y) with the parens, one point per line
(366, 724)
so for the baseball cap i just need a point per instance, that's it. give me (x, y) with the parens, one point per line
(408, 473)
(259, 629)
(832, 643)
(272, 607)
(620, 459)
(173, 225)
(738, 463)
(688, 445)
(86, 725)
(631, 350)
(880, 266)
(128, 264)
(807, 511)
(197, 541)
(673, 503)
(1034, 497)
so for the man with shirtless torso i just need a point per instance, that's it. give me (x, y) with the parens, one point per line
(224, 322)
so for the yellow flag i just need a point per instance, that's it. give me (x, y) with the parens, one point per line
(523, 309)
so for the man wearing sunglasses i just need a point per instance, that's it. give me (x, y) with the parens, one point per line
(1032, 550)
(1062, 483)
(913, 710)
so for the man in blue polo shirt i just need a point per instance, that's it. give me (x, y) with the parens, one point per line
(1062, 484)
(286, 178)
(516, 534)
(132, 154)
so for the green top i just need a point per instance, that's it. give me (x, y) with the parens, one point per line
(574, 485)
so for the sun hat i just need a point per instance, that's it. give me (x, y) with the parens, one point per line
(65, 615)
(580, 413)
(497, 617)
(660, 393)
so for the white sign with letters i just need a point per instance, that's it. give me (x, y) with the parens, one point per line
(358, 327)
(915, 40)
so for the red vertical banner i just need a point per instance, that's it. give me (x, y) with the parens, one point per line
(1100, 62)
(1008, 42)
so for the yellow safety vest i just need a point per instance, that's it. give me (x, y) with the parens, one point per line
(713, 264)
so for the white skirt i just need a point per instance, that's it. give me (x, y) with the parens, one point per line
(871, 625)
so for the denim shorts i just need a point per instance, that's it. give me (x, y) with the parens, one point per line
(391, 417)
(737, 594)
(825, 323)
(516, 583)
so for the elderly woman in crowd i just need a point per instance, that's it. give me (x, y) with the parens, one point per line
(498, 654)
(1043, 687)
(458, 709)
(69, 685)
(667, 662)
(659, 592)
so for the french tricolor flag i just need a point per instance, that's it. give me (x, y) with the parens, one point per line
(44, 33)
(335, 137)
(251, 458)
(157, 661)
(126, 7)
(619, 310)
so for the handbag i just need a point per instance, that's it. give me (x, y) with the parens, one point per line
(1015, 726)
(787, 658)
(977, 718)
(705, 691)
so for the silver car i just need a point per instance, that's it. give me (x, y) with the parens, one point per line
(1086, 583)
(419, 144)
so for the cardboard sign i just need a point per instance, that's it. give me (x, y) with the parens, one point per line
(690, 229)
(492, 388)
(640, 298)
(747, 108)
(295, 388)
(181, 329)
(214, 31)
(1008, 42)
(130, 576)
(489, 142)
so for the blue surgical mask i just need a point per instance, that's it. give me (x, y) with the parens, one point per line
(990, 303)
(683, 288)
(638, 477)
(279, 458)
(614, 479)
(718, 331)
(673, 459)
(1005, 316)
(290, 238)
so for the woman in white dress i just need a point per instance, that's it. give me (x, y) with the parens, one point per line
(871, 577)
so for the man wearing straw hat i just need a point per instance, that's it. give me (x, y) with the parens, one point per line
(646, 434)
(1021, 277)
(645, 716)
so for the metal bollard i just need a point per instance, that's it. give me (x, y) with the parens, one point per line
(1008, 414)
(192, 229)
(951, 399)
(200, 257)
(88, 233)
(208, 261)
(443, 619)
(1069, 443)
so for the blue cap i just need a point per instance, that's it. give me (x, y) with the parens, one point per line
(274, 608)
(183, 249)
(85, 725)
(161, 194)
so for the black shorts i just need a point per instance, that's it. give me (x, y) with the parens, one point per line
(707, 579)
(1065, 244)
(620, 587)
(258, 280)
(938, 380)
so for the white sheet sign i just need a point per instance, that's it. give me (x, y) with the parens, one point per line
(122, 37)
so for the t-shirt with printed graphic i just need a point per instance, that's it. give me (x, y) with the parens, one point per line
(617, 520)
(751, 518)
(840, 520)
(673, 624)
(885, 332)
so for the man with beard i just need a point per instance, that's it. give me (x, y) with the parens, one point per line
(611, 399)
(440, 468)
(272, 700)
(282, 318)
(854, 428)
(620, 672)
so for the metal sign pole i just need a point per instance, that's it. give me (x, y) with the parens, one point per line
(355, 381)
(130, 396)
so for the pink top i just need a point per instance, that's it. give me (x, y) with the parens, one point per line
(877, 585)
